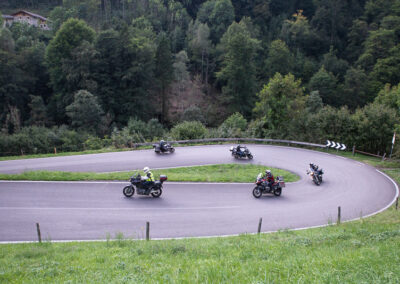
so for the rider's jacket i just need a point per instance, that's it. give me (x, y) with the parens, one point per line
(269, 178)
(150, 176)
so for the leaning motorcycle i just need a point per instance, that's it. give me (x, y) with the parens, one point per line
(244, 152)
(315, 175)
(262, 186)
(139, 184)
(167, 148)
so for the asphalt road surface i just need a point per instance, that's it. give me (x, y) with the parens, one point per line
(98, 210)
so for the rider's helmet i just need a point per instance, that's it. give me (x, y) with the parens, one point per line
(162, 141)
(146, 169)
(268, 172)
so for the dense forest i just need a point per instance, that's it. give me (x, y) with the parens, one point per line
(117, 72)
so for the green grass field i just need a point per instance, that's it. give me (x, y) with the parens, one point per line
(211, 173)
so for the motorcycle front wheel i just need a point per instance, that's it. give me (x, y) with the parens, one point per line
(172, 150)
(128, 191)
(257, 192)
(316, 180)
(278, 191)
(157, 193)
(250, 156)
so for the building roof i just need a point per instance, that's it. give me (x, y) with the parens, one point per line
(31, 14)
(8, 17)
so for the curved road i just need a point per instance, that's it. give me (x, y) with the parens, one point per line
(94, 210)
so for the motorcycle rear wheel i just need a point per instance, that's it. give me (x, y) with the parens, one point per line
(257, 192)
(278, 192)
(157, 193)
(128, 191)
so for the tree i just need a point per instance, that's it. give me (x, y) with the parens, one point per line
(335, 65)
(238, 73)
(355, 88)
(38, 114)
(375, 125)
(219, 15)
(325, 83)
(85, 112)
(279, 60)
(163, 71)
(279, 102)
(389, 96)
(200, 48)
(70, 36)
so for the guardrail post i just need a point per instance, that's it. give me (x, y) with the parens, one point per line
(339, 215)
(397, 203)
(38, 232)
(354, 150)
(259, 226)
(147, 231)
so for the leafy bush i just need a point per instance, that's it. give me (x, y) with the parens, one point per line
(189, 130)
(94, 143)
(233, 126)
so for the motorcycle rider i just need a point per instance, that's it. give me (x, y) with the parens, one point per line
(238, 150)
(148, 178)
(162, 145)
(269, 178)
(315, 168)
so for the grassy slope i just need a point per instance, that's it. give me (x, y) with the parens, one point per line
(212, 173)
(366, 251)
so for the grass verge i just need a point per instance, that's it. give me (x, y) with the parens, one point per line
(211, 173)
(364, 251)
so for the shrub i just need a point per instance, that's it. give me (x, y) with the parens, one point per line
(188, 130)
(233, 126)
(94, 143)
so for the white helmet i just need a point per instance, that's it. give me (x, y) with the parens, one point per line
(146, 169)
(267, 172)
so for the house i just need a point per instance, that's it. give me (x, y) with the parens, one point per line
(7, 20)
(28, 18)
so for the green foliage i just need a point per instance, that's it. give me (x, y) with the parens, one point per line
(326, 84)
(233, 126)
(375, 124)
(279, 102)
(193, 113)
(389, 97)
(189, 130)
(238, 74)
(94, 143)
(280, 60)
(71, 35)
(85, 112)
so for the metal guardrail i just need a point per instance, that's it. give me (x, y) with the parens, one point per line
(236, 140)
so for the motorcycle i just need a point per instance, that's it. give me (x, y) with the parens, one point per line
(262, 186)
(165, 149)
(315, 175)
(154, 189)
(242, 153)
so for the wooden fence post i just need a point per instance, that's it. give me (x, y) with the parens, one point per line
(397, 202)
(354, 150)
(259, 226)
(38, 232)
(147, 231)
(339, 215)
(55, 151)
(383, 157)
